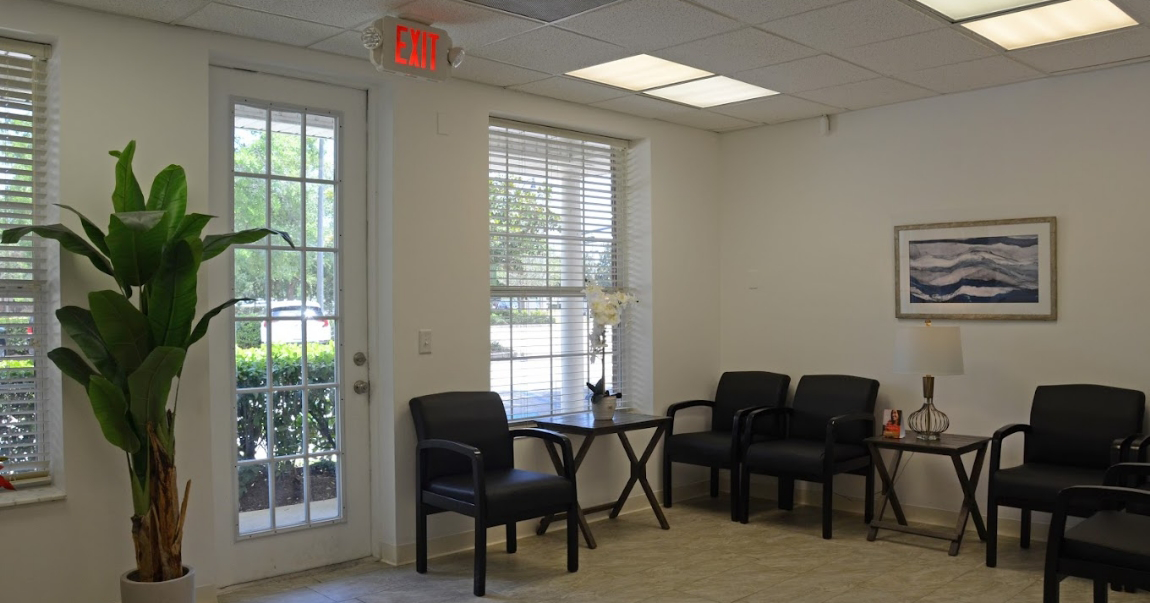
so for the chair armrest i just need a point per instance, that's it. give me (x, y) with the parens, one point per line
(1120, 448)
(1140, 449)
(750, 415)
(676, 407)
(1120, 474)
(996, 443)
(555, 438)
(1101, 497)
(854, 417)
(471, 452)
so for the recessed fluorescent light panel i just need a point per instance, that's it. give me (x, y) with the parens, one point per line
(640, 72)
(1051, 23)
(711, 92)
(961, 10)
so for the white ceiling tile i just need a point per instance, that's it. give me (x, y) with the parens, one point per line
(806, 74)
(469, 25)
(777, 109)
(166, 12)
(983, 73)
(262, 26)
(871, 93)
(484, 71)
(344, 13)
(570, 89)
(643, 25)
(853, 24)
(1121, 45)
(347, 43)
(920, 51)
(643, 106)
(552, 50)
(758, 11)
(728, 53)
(706, 120)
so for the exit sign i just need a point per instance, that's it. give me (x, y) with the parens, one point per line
(413, 48)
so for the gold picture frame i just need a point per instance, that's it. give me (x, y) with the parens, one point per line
(982, 270)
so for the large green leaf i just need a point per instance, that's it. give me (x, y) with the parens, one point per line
(172, 293)
(123, 328)
(111, 410)
(202, 326)
(136, 242)
(71, 364)
(127, 196)
(95, 235)
(216, 244)
(81, 327)
(69, 240)
(191, 226)
(170, 194)
(150, 384)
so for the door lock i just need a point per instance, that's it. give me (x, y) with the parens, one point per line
(359, 359)
(360, 387)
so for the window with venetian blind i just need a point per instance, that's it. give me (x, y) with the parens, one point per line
(26, 271)
(556, 202)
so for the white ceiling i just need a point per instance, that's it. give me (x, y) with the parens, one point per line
(825, 56)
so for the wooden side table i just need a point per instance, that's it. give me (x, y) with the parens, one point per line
(584, 424)
(953, 446)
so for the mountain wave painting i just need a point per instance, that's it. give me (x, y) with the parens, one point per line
(977, 270)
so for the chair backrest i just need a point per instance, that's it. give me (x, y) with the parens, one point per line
(1076, 424)
(820, 397)
(743, 389)
(474, 418)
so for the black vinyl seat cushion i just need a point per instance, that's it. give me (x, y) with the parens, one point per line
(1140, 508)
(510, 492)
(710, 448)
(1111, 538)
(795, 456)
(1040, 482)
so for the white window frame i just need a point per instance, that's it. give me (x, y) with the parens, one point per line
(40, 478)
(561, 296)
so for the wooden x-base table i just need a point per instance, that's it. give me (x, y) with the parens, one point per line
(953, 446)
(584, 424)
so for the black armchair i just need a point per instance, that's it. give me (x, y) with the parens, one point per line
(1111, 546)
(719, 447)
(1075, 433)
(465, 464)
(822, 435)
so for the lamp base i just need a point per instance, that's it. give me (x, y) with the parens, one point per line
(928, 422)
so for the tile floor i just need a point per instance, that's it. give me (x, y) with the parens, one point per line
(703, 558)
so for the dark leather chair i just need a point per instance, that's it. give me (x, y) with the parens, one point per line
(718, 448)
(1111, 546)
(822, 435)
(465, 463)
(1075, 433)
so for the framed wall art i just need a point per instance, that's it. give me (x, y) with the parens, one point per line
(989, 270)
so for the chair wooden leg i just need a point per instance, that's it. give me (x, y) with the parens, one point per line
(420, 537)
(828, 497)
(868, 505)
(992, 536)
(1024, 536)
(480, 578)
(1101, 591)
(714, 482)
(744, 495)
(666, 478)
(573, 539)
(1050, 588)
(512, 543)
(735, 496)
(786, 493)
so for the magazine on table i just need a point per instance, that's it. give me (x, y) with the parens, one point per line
(892, 423)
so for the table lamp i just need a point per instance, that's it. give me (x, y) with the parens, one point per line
(928, 351)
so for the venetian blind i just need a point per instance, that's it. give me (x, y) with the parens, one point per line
(25, 279)
(555, 202)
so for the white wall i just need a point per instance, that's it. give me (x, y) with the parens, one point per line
(122, 79)
(814, 216)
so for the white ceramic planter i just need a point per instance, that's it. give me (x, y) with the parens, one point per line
(180, 590)
(604, 408)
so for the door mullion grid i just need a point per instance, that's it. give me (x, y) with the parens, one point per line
(303, 318)
(270, 405)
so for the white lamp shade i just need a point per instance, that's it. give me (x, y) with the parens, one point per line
(928, 351)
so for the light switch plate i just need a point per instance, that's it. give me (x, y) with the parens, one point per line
(425, 341)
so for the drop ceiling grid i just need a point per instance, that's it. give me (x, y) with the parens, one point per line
(860, 53)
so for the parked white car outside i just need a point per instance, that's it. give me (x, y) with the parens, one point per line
(291, 331)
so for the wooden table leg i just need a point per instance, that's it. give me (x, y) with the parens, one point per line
(969, 502)
(888, 493)
(578, 462)
(639, 475)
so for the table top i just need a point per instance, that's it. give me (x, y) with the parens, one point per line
(946, 444)
(584, 423)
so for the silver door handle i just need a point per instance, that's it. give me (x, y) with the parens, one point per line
(360, 387)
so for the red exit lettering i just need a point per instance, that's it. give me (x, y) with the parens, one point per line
(422, 44)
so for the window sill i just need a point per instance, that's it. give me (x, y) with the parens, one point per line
(30, 496)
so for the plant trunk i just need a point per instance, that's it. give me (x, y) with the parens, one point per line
(158, 535)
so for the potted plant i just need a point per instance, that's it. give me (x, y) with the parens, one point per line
(134, 340)
(4, 483)
(606, 309)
